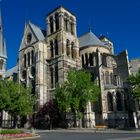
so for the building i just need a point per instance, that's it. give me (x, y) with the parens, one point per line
(134, 65)
(111, 72)
(45, 56)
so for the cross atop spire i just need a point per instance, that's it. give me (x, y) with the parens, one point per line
(90, 27)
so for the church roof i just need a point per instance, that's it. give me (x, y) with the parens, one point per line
(13, 70)
(89, 39)
(40, 34)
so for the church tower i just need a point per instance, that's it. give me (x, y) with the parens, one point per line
(3, 55)
(63, 45)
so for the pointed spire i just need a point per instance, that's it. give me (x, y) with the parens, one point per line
(2, 41)
(0, 20)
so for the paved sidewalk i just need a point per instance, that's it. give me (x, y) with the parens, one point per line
(88, 130)
(132, 138)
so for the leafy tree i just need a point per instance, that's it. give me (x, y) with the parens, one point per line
(3, 95)
(17, 99)
(76, 92)
(135, 84)
(49, 114)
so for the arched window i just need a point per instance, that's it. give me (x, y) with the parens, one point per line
(56, 47)
(107, 79)
(67, 47)
(86, 57)
(83, 61)
(51, 48)
(52, 81)
(51, 25)
(66, 22)
(24, 60)
(72, 25)
(91, 59)
(72, 49)
(28, 58)
(1, 64)
(111, 78)
(110, 101)
(119, 101)
(72, 28)
(32, 55)
(57, 21)
(56, 74)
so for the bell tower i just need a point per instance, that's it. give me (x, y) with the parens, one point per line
(3, 55)
(62, 45)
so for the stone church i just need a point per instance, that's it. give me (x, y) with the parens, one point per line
(45, 56)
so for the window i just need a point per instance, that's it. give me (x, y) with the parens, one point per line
(51, 25)
(52, 81)
(24, 74)
(56, 47)
(111, 78)
(67, 47)
(56, 74)
(72, 49)
(91, 59)
(72, 28)
(83, 61)
(57, 21)
(119, 101)
(110, 101)
(29, 38)
(32, 55)
(86, 57)
(24, 60)
(51, 48)
(66, 22)
(33, 86)
(1, 64)
(28, 59)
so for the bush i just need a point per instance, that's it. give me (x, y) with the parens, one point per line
(11, 131)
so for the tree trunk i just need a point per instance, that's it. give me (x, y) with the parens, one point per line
(75, 119)
(15, 121)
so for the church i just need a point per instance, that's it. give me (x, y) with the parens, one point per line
(46, 55)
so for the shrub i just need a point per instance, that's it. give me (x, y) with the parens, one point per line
(11, 131)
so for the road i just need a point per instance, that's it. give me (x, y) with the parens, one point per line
(87, 136)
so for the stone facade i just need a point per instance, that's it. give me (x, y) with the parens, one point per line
(46, 56)
(134, 65)
(110, 72)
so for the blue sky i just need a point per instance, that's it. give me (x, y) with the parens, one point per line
(118, 19)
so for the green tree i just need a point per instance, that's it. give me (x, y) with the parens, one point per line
(19, 100)
(135, 84)
(76, 92)
(3, 96)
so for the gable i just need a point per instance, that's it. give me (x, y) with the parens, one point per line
(32, 34)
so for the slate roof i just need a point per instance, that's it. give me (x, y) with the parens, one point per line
(40, 34)
(10, 72)
(89, 39)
